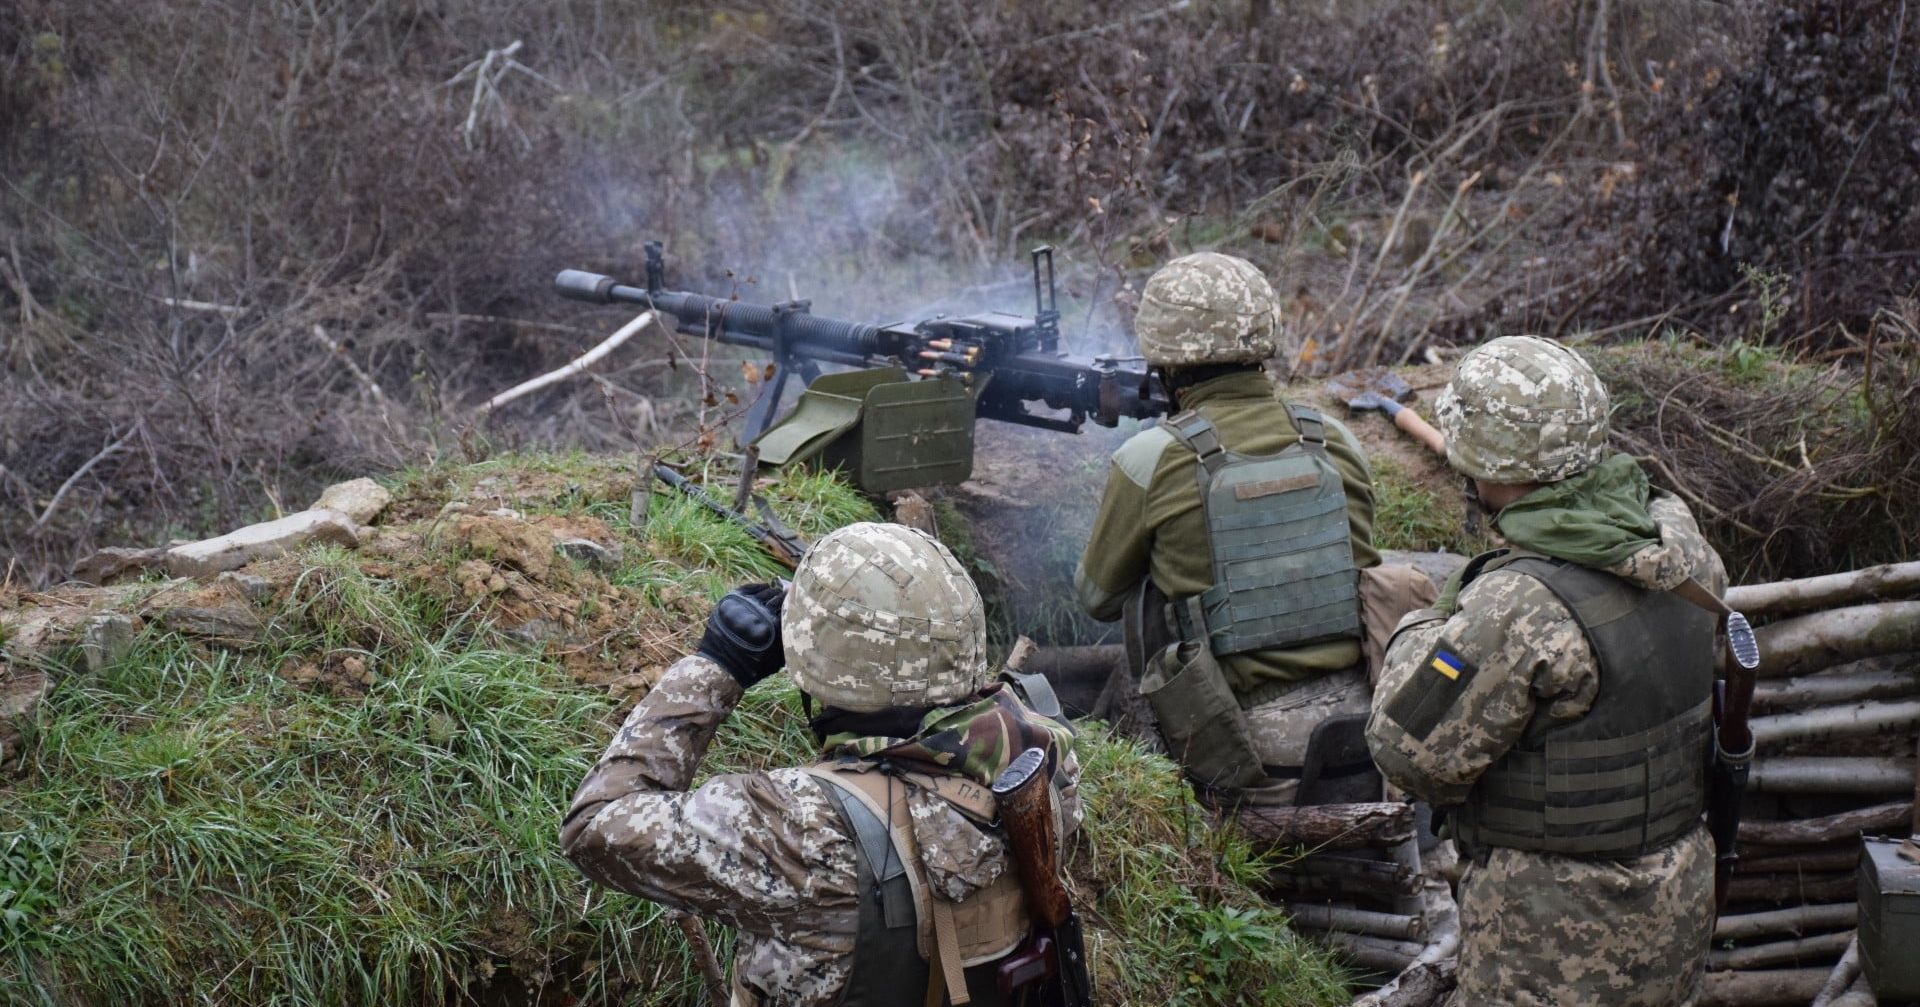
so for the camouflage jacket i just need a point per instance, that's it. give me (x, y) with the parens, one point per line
(1150, 521)
(1540, 928)
(766, 853)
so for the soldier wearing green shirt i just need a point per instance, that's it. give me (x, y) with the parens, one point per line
(1252, 519)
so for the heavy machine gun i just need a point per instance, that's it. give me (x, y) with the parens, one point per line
(906, 419)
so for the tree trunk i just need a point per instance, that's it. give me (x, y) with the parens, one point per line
(1822, 722)
(1823, 639)
(1843, 858)
(1812, 774)
(1843, 975)
(1871, 584)
(1329, 826)
(1793, 952)
(1778, 889)
(1377, 953)
(1792, 920)
(1847, 825)
(1771, 988)
(1829, 689)
(1340, 919)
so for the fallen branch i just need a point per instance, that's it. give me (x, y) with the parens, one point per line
(1875, 582)
(1836, 722)
(1796, 774)
(366, 380)
(1845, 971)
(1341, 919)
(578, 364)
(53, 506)
(1792, 920)
(229, 310)
(1824, 689)
(1772, 988)
(1846, 825)
(1860, 994)
(1329, 826)
(1823, 639)
(1780, 952)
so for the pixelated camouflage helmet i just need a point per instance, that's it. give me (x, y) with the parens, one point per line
(1523, 409)
(1207, 308)
(883, 615)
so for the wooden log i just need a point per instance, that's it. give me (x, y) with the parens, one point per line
(1808, 643)
(1779, 889)
(1820, 947)
(1795, 920)
(1850, 721)
(1297, 887)
(1845, 971)
(1875, 582)
(1341, 919)
(1844, 826)
(1377, 953)
(1329, 826)
(1842, 858)
(1798, 774)
(1770, 988)
(1828, 689)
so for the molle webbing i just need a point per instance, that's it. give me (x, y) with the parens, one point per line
(1280, 541)
(1629, 777)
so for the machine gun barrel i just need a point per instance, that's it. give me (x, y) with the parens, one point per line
(737, 323)
(1005, 361)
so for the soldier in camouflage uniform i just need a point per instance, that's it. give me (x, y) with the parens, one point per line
(1287, 647)
(845, 878)
(1555, 700)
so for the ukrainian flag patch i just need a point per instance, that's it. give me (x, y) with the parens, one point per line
(1423, 701)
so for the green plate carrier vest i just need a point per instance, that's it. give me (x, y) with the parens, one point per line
(1629, 777)
(1282, 548)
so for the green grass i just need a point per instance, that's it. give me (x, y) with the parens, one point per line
(194, 828)
(1409, 516)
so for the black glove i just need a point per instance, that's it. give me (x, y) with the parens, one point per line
(743, 633)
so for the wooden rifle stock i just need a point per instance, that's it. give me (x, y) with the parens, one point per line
(1026, 813)
(1055, 955)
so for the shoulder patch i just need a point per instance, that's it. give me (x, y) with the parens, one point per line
(1140, 455)
(1426, 697)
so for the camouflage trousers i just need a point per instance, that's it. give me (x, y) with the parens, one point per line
(1543, 930)
(1282, 727)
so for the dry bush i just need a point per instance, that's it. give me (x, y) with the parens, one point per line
(1804, 166)
(1413, 173)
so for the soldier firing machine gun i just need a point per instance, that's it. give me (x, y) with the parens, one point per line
(905, 419)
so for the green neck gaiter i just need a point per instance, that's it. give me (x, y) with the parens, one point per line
(1594, 519)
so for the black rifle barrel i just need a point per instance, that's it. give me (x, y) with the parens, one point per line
(737, 322)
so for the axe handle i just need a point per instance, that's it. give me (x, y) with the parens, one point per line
(1421, 430)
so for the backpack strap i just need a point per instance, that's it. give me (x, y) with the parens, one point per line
(939, 932)
(1038, 693)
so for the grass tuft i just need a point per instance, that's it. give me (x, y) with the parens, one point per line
(201, 825)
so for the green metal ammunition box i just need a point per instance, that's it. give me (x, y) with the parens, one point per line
(1890, 921)
(883, 430)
